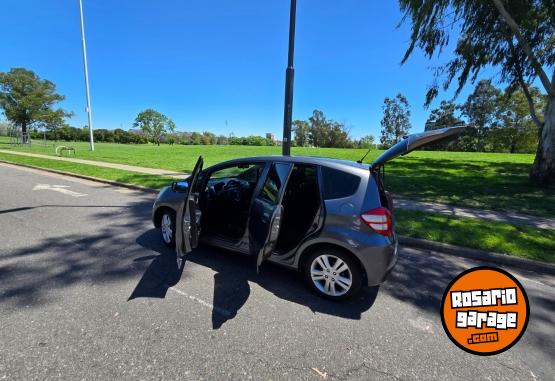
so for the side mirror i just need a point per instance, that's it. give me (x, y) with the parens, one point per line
(180, 186)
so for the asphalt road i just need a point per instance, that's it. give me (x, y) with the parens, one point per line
(88, 291)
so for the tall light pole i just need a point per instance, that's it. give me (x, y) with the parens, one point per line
(289, 75)
(86, 75)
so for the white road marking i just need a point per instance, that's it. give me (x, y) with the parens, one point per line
(219, 310)
(59, 188)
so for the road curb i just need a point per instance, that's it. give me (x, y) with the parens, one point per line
(489, 256)
(445, 248)
(91, 178)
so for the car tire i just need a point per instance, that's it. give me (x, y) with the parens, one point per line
(167, 227)
(321, 275)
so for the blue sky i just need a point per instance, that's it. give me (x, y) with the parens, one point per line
(203, 63)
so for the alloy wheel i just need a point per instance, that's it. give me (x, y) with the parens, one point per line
(167, 228)
(331, 275)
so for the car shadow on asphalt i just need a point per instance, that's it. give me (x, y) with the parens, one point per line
(233, 272)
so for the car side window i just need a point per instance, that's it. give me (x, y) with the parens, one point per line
(277, 176)
(338, 184)
(246, 172)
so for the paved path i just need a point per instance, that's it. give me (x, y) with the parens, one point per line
(509, 217)
(95, 295)
(402, 203)
(124, 167)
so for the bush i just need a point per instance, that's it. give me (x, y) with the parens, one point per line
(69, 134)
(73, 134)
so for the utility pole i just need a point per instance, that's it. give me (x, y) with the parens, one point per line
(289, 75)
(86, 75)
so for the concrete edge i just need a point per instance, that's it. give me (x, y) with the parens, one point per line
(466, 252)
(91, 178)
(483, 255)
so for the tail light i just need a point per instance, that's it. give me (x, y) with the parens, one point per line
(379, 220)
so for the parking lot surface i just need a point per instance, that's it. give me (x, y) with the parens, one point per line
(88, 291)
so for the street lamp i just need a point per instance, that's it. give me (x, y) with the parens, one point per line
(86, 75)
(289, 75)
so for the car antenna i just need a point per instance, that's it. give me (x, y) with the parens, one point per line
(366, 154)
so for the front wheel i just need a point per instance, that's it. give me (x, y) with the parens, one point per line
(333, 274)
(167, 228)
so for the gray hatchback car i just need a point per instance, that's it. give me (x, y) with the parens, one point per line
(330, 219)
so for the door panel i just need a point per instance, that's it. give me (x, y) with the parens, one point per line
(266, 212)
(188, 216)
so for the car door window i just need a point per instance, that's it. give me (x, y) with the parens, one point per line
(277, 176)
(226, 200)
(246, 172)
(241, 175)
(266, 212)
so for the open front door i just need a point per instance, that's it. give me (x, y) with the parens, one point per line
(266, 212)
(188, 216)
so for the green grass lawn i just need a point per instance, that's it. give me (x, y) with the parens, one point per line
(527, 242)
(481, 180)
(495, 236)
(145, 180)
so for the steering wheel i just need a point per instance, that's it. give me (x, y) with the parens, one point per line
(233, 190)
(231, 184)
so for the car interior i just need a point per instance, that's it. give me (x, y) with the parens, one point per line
(226, 199)
(300, 203)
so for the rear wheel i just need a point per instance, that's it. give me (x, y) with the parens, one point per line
(167, 227)
(333, 274)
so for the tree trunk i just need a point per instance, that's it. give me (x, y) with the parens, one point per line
(24, 136)
(513, 147)
(543, 170)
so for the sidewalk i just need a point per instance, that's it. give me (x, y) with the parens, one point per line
(400, 202)
(124, 167)
(451, 210)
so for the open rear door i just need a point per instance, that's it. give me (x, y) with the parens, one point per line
(188, 217)
(267, 211)
(414, 141)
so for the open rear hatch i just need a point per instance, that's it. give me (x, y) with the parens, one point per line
(414, 141)
(408, 144)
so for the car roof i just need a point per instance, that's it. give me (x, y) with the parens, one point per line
(315, 160)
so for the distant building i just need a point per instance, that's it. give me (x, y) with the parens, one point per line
(270, 136)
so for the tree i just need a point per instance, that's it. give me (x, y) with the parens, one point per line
(481, 110)
(196, 138)
(153, 124)
(301, 128)
(516, 131)
(338, 136)
(395, 122)
(516, 36)
(444, 116)
(28, 101)
(318, 129)
(327, 133)
(367, 141)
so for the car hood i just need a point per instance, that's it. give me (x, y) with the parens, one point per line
(413, 141)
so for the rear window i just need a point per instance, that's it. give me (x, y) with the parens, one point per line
(338, 184)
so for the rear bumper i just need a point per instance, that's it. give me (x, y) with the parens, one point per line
(378, 262)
